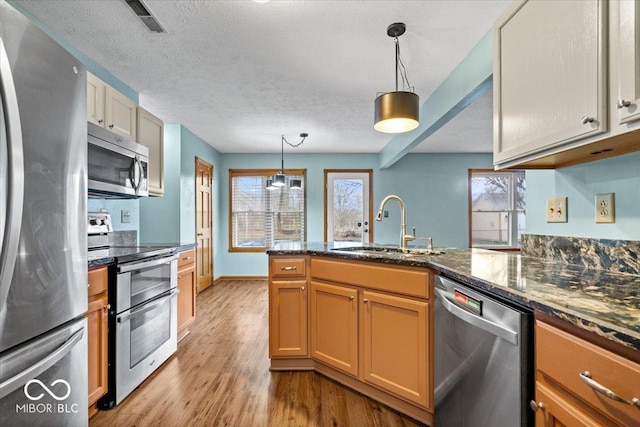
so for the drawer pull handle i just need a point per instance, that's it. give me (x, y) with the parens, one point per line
(586, 377)
(289, 268)
(588, 119)
(186, 258)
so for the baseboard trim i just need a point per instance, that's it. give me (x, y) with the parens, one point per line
(238, 278)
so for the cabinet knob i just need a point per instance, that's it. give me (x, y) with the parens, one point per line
(88, 285)
(107, 307)
(622, 103)
(100, 121)
(536, 405)
(111, 126)
(302, 288)
(351, 297)
(587, 119)
(366, 300)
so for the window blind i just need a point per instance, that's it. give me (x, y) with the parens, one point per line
(260, 217)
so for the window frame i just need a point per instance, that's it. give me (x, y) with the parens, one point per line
(263, 173)
(513, 229)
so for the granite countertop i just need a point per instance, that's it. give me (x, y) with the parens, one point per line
(604, 302)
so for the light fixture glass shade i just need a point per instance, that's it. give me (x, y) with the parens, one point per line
(278, 180)
(295, 183)
(397, 112)
(269, 185)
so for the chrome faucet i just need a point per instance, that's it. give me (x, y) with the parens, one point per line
(404, 237)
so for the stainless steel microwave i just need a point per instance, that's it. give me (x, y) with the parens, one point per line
(117, 167)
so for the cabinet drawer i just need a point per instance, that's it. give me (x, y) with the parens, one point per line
(406, 281)
(98, 281)
(186, 258)
(564, 357)
(288, 267)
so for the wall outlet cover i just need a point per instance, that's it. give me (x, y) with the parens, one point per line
(605, 208)
(557, 209)
(125, 216)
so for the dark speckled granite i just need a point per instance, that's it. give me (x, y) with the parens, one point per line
(602, 301)
(622, 256)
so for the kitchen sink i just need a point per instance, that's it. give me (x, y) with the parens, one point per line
(391, 250)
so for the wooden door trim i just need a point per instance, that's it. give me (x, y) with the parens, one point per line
(198, 162)
(326, 194)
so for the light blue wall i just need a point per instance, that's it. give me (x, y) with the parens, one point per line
(115, 207)
(171, 218)
(433, 187)
(580, 184)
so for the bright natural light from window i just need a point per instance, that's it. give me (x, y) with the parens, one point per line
(260, 217)
(498, 208)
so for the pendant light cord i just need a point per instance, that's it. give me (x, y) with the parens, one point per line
(401, 69)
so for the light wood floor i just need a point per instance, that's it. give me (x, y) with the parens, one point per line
(220, 377)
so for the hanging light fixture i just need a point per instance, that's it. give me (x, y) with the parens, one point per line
(279, 179)
(399, 111)
(269, 185)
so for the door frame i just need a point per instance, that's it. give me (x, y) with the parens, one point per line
(195, 201)
(326, 195)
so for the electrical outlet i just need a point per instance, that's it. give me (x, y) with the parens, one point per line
(557, 209)
(125, 216)
(605, 209)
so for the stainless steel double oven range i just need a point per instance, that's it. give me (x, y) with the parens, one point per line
(143, 308)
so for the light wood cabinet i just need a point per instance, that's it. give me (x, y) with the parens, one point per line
(151, 134)
(288, 307)
(187, 288)
(334, 326)
(110, 109)
(572, 376)
(97, 334)
(395, 338)
(560, 70)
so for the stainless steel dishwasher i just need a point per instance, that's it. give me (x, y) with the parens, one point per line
(483, 359)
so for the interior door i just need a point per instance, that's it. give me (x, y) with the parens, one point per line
(204, 231)
(348, 206)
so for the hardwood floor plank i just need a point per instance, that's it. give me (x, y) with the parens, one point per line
(220, 377)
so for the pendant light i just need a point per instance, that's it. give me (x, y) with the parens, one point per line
(399, 111)
(279, 179)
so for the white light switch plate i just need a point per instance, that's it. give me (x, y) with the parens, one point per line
(605, 209)
(557, 209)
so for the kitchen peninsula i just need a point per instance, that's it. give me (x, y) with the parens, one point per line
(596, 307)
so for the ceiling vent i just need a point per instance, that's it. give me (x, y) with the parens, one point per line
(145, 15)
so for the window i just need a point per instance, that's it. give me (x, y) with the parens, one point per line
(260, 217)
(497, 208)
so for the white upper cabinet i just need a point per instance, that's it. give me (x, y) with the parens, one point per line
(566, 82)
(625, 61)
(549, 77)
(110, 109)
(151, 135)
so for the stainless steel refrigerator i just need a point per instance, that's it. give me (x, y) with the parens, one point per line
(43, 259)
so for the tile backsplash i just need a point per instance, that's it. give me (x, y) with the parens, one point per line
(622, 256)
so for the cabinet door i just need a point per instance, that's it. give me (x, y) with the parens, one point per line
(95, 100)
(549, 76)
(186, 299)
(556, 411)
(151, 135)
(395, 337)
(334, 326)
(97, 328)
(625, 61)
(120, 114)
(288, 318)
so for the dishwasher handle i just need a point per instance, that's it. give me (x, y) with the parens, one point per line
(482, 323)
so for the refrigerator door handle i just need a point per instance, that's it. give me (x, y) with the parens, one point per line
(14, 179)
(19, 380)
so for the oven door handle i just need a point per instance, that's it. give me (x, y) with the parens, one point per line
(477, 321)
(150, 306)
(146, 264)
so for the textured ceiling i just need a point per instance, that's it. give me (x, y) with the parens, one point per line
(239, 73)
